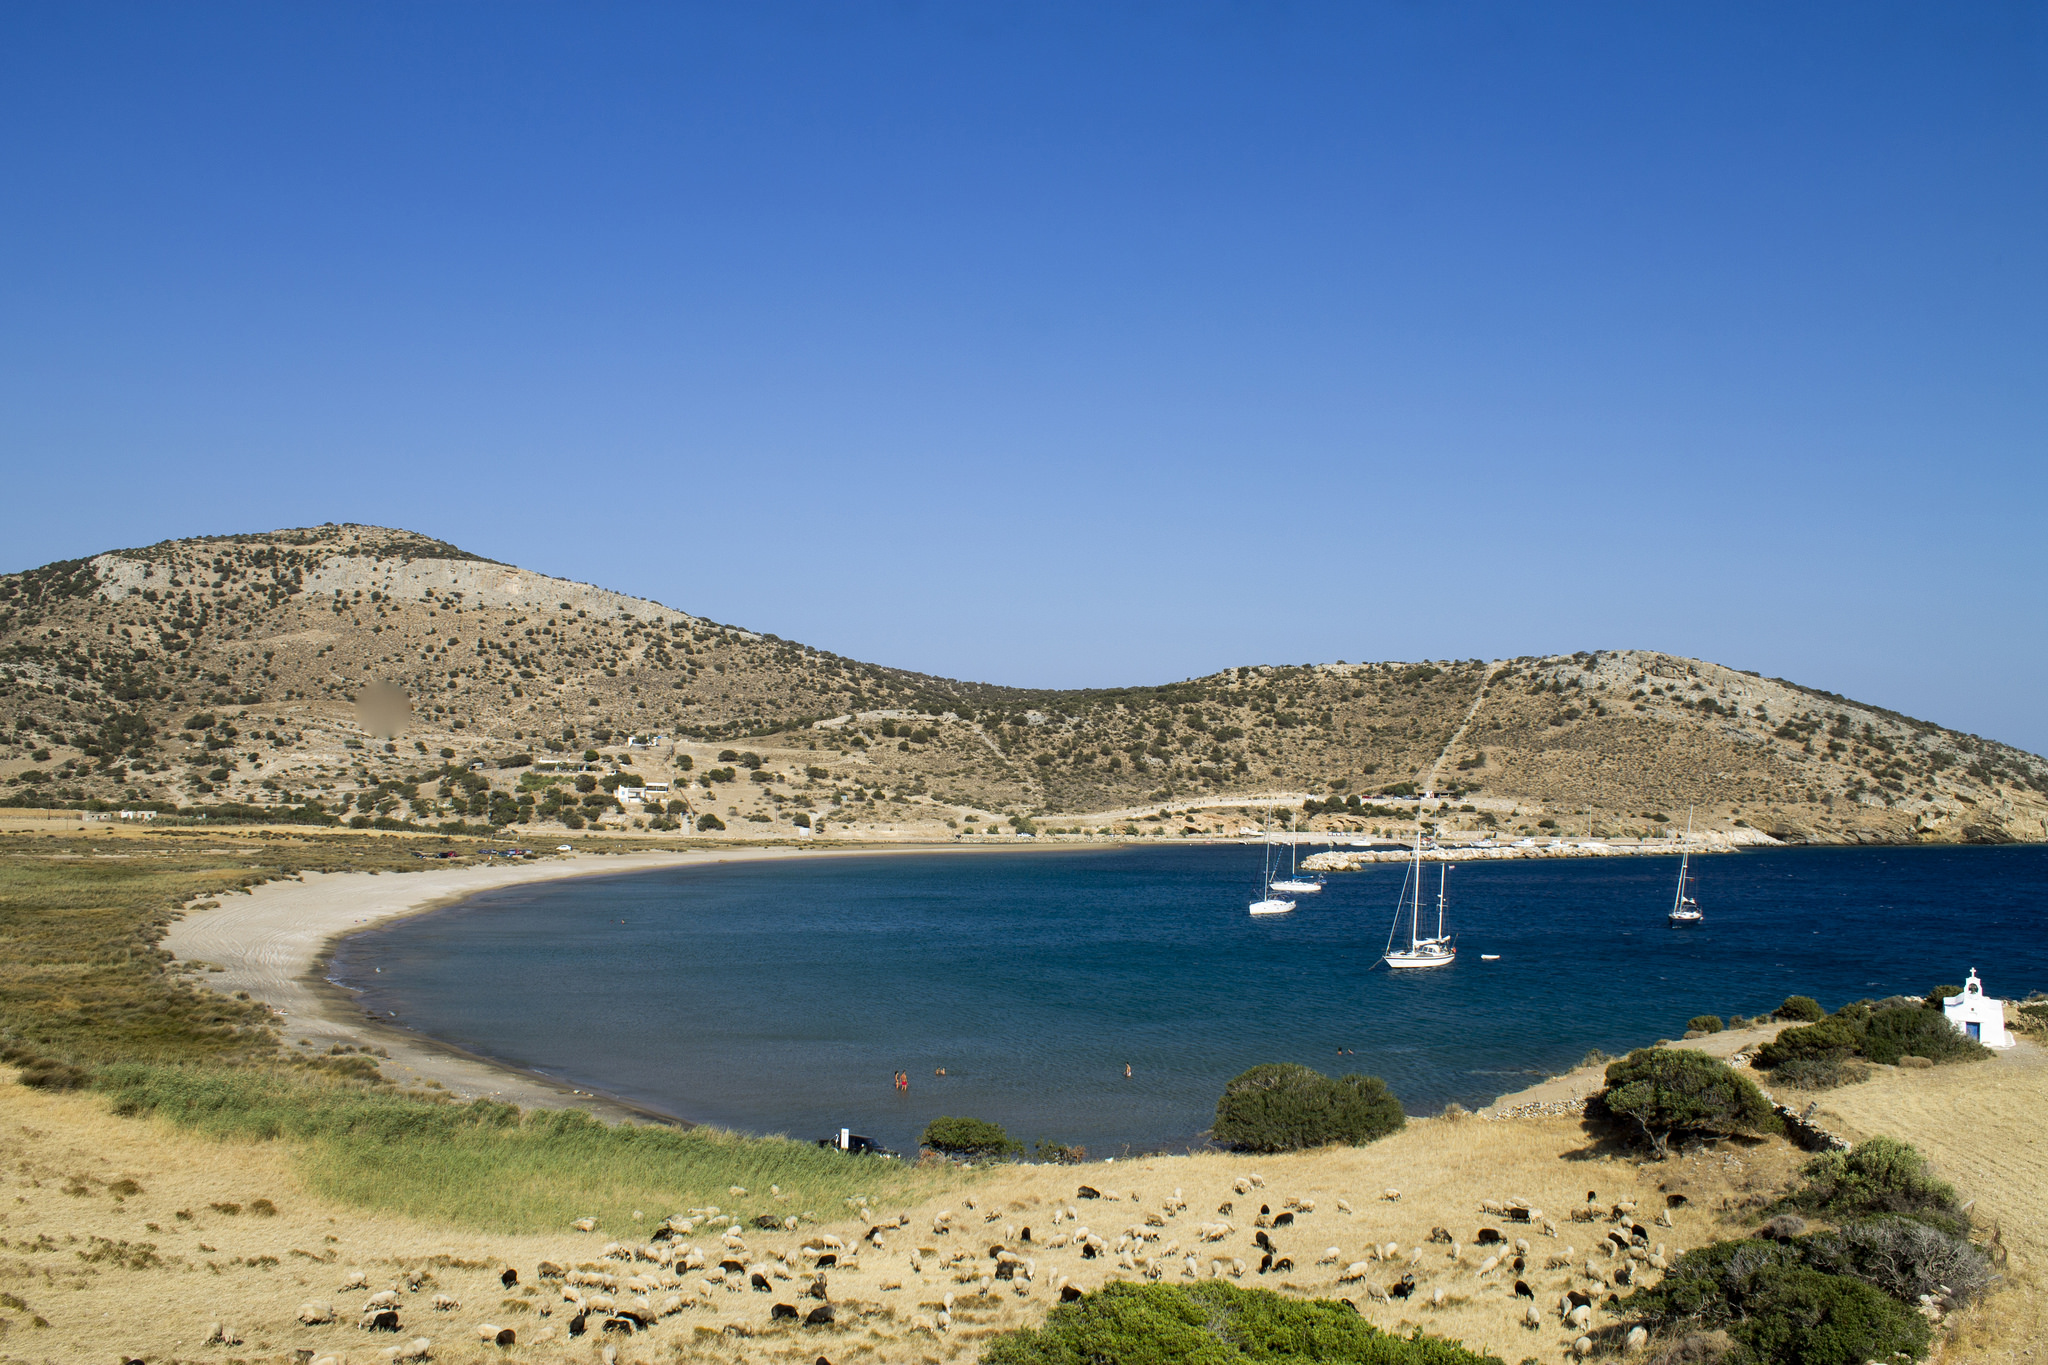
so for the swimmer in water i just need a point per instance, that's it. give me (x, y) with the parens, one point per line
(1127, 1070)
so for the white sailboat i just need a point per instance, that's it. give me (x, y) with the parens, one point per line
(1268, 904)
(1438, 951)
(1295, 884)
(1684, 909)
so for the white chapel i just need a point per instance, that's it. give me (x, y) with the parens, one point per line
(1976, 1015)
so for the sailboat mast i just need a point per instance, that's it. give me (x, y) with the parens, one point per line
(1442, 880)
(1415, 903)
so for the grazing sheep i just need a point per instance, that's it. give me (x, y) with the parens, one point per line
(379, 1320)
(386, 1299)
(1493, 1206)
(1549, 1228)
(1344, 1206)
(1436, 1300)
(1583, 1347)
(1356, 1271)
(1489, 1237)
(1581, 1317)
(446, 1303)
(585, 1225)
(1402, 1288)
(1236, 1268)
(1635, 1341)
(1531, 1318)
(356, 1280)
(316, 1311)
(1487, 1266)
(1440, 1235)
(1392, 1196)
(221, 1335)
(1377, 1294)
(1241, 1185)
(1283, 1220)
(1330, 1256)
(782, 1311)
(1523, 1291)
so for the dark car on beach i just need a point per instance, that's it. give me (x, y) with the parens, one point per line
(856, 1145)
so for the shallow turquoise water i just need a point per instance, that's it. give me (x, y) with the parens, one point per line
(782, 997)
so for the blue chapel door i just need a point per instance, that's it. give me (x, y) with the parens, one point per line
(1976, 1032)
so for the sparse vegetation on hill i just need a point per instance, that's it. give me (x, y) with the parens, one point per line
(227, 674)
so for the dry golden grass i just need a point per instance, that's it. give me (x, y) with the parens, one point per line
(66, 1156)
(251, 1272)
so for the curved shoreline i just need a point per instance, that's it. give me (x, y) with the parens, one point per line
(275, 942)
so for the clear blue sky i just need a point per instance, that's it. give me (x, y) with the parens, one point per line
(1076, 344)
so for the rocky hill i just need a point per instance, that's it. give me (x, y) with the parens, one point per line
(248, 670)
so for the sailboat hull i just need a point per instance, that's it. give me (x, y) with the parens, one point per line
(1416, 960)
(1271, 907)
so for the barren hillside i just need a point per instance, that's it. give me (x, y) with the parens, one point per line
(229, 670)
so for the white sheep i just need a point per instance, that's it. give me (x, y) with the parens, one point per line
(446, 1303)
(1344, 1205)
(316, 1311)
(1330, 1256)
(1392, 1196)
(1354, 1272)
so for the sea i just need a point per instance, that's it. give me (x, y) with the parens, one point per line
(1103, 997)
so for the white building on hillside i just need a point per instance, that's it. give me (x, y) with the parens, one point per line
(1977, 1015)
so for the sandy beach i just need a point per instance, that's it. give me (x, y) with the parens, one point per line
(273, 943)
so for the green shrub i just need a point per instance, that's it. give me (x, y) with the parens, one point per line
(1904, 1257)
(969, 1138)
(1882, 1175)
(709, 821)
(1777, 1310)
(1671, 1093)
(1821, 1073)
(1283, 1107)
(1798, 1316)
(1704, 1023)
(1214, 1322)
(1800, 1009)
(1941, 993)
(1895, 1033)
(1837, 1038)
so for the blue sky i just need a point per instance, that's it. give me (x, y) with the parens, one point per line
(1076, 344)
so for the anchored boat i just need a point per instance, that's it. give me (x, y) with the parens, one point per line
(1436, 951)
(1684, 909)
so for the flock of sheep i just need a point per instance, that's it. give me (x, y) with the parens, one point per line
(628, 1288)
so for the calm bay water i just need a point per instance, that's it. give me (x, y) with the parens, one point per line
(782, 997)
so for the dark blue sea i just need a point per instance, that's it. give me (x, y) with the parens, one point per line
(782, 997)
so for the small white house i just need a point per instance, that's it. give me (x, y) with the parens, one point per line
(1977, 1015)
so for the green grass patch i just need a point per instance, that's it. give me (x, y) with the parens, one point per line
(489, 1166)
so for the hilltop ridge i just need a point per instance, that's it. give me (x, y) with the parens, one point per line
(229, 668)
